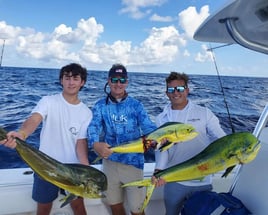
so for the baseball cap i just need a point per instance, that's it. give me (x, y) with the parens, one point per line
(118, 70)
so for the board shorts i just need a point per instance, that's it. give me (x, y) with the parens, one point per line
(119, 174)
(43, 191)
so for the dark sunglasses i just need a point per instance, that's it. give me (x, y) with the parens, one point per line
(121, 80)
(178, 88)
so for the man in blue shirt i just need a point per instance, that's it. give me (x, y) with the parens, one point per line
(122, 119)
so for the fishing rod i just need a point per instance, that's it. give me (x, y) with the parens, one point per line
(219, 77)
(2, 53)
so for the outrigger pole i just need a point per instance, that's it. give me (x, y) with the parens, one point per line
(2, 53)
(219, 77)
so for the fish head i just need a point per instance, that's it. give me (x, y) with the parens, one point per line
(87, 181)
(174, 133)
(247, 147)
(95, 184)
(184, 132)
(93, 189)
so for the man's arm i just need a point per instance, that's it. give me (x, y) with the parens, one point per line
(82, 151)
(27, 128)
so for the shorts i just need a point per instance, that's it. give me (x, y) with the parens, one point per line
(43, 191)
(119, 174)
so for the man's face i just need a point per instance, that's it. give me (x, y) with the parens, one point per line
(177, 93)
(72, 84)
(118, 86)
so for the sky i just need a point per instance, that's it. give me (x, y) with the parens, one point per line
(153, 36)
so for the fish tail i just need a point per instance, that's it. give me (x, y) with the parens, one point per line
(140, 183)
(149, 192)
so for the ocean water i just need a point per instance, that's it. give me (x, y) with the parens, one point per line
(21, 88)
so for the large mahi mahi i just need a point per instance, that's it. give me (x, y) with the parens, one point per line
(173, 132)
(222, 154)
(77, 179)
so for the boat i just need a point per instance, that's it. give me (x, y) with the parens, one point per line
(243, 22)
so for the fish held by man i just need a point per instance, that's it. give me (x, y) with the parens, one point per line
(223, 154)
(77, 179)
(173, 132)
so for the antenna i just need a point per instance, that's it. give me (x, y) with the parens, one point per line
(2, 53)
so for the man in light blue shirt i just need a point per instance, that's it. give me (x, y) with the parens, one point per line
(122, 119)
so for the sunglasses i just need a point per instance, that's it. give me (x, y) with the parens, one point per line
(178, 88)
(121, 80)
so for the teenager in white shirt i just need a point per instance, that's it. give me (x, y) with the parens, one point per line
(63, 135)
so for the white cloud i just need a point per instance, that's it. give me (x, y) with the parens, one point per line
(80, 43)
(119, 51)
(160, 47)
(64, 43)
(11, 33)
(205, 55)
(186, 53)
(190, 19)
(136, 8)
(158, 18)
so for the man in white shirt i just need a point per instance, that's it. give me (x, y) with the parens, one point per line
(181, 109)
(63, 136)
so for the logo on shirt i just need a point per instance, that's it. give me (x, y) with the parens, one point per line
(73, 130)
(193, 120)
(122, 119)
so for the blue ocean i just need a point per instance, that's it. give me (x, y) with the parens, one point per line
(243, 97)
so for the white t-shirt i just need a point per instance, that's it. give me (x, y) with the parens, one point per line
(205, 123)
(63, 125)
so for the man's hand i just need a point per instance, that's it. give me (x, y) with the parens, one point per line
(157, 181)
(10, 141)
(103, 149)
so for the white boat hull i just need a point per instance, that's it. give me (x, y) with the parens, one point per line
(16, 187)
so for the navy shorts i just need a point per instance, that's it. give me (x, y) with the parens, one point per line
(43, 191)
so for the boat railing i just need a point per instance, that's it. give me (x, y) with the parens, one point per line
(261, 124)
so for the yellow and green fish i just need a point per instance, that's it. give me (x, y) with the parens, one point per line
(173, 132)
(222, 154)
(77, 179)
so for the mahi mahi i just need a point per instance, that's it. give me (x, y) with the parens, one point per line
(172, 132)
(222, 154)
(79, 180)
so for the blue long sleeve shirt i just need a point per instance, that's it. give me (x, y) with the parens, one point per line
(120, 123)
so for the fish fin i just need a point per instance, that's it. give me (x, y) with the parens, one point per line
(165, 146)
(67, 199)
(140, 183)
(149, 192)
(200, 179)
(227, 171)
(96, 160)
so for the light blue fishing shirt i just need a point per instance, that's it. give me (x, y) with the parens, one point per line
(119, 123)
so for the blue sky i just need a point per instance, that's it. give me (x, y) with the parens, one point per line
(145, 35)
